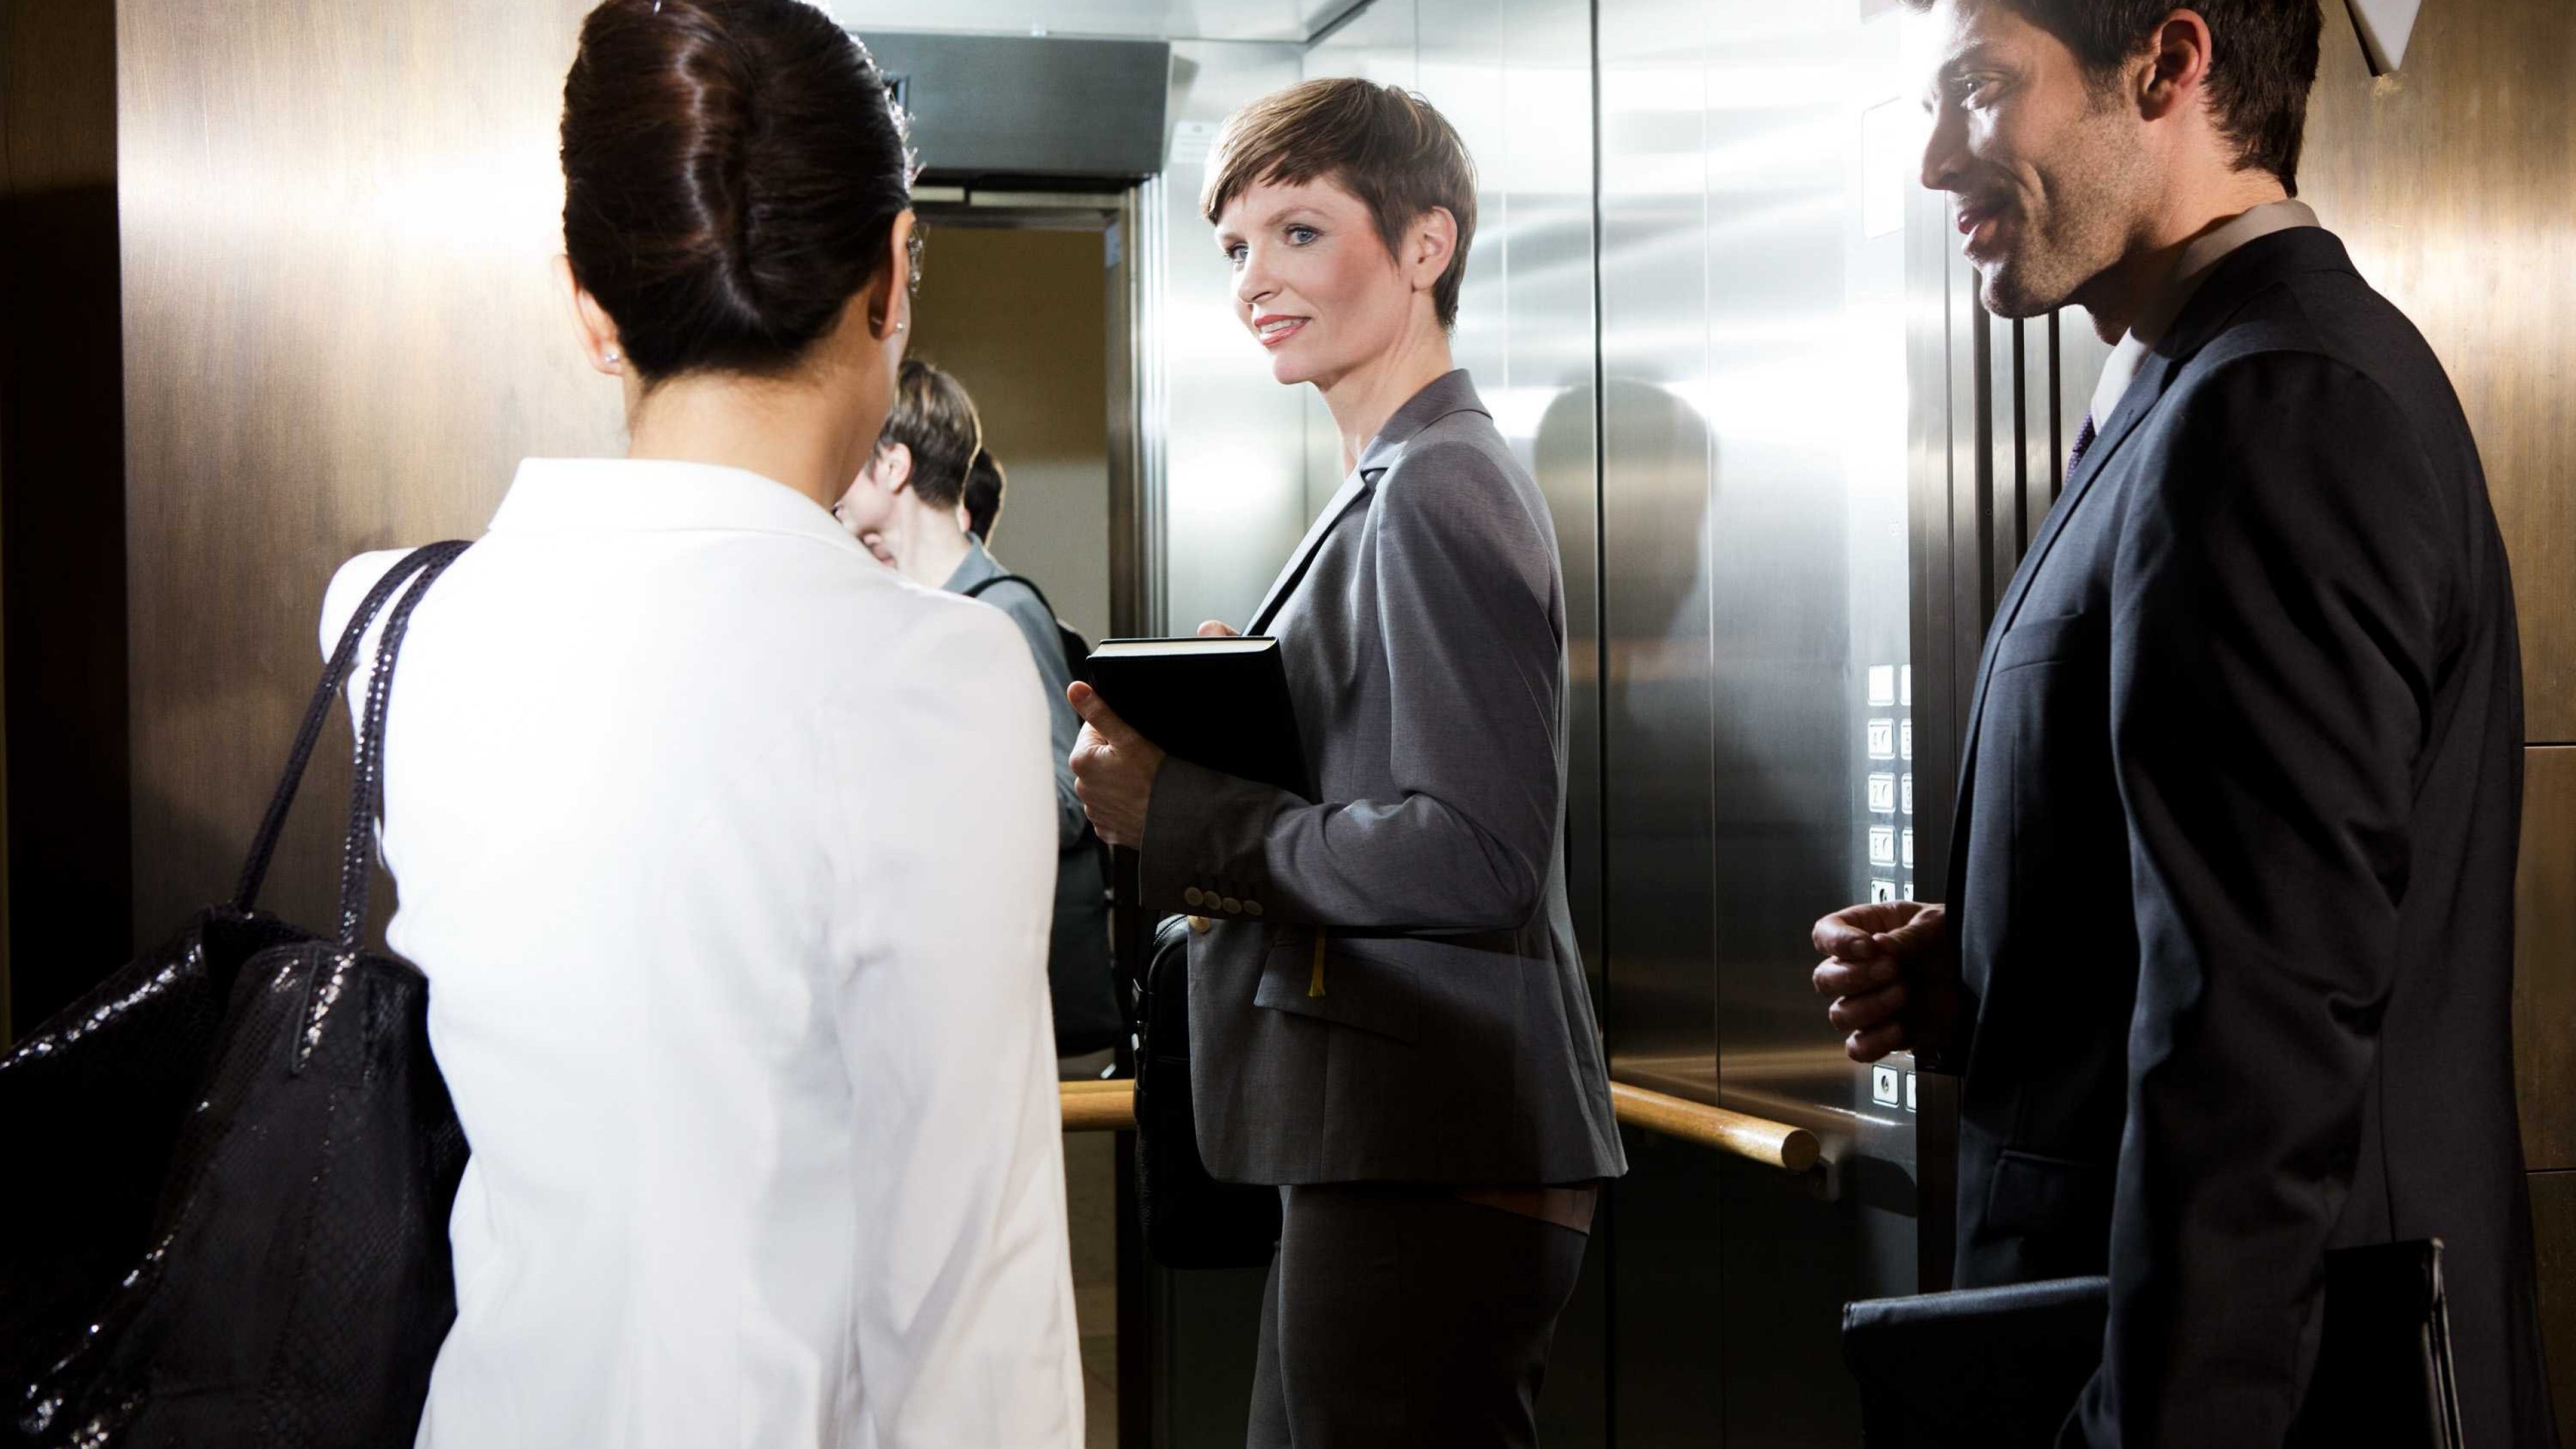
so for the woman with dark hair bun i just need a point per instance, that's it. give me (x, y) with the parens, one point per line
(749, 1032)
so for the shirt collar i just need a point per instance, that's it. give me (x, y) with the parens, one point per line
(1451, 392)
(628, 495)
(977, 566)
(2199, 258)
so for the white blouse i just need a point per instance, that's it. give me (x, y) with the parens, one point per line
(729, 857)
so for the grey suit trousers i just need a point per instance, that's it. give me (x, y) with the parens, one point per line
(1407, 1316)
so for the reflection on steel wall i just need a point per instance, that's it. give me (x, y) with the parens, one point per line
(1756, 176)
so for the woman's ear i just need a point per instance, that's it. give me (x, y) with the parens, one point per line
(598, 332)
(889, 292)
(1429, 244)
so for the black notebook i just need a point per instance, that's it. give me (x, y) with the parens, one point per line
(1218, 703)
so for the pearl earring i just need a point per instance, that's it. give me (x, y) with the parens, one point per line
(610, 357)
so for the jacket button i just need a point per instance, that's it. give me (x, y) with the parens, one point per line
(1231, 905)
(1194, 896)
(1252, 909)
(1199, 924)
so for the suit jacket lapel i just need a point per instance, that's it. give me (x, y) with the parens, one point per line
(1451, 392)
(2250, 268)
(1352, 490)
(2145, 391)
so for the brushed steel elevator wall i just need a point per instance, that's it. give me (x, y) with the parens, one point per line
(1760, 433)
(341, 333)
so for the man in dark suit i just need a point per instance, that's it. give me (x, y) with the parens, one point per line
(2228, 963)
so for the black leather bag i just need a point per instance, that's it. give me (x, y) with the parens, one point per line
(246, 1158)
(2000, 1368)
(1190, 1219)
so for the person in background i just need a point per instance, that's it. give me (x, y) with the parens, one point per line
(2228, 959)
(981, 507)
(1388, 1017)
(907, 502)
(723, 850)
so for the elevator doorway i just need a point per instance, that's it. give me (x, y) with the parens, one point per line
(1017, 314)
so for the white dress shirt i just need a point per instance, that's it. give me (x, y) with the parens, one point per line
(2199, 257)
(729, 856)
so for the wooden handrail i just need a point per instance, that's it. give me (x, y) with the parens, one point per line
(1111, 1107)
(1098, 1106)
(1775, 1144)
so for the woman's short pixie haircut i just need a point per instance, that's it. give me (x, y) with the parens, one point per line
(1386, 146)
(934, 417)
(732, 174)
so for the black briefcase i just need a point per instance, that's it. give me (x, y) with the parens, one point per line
(239, 1160)
(2001, 1368)
(1190, 1219)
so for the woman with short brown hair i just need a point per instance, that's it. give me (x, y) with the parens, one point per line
(1388, 1016)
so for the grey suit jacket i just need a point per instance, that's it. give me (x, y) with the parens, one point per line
(1389, 989)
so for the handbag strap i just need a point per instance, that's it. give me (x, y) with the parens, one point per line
(976, 591)
(344, 657)
(367, 779)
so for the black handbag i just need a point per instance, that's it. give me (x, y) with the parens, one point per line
(1190, 1219)
(2000, 1368)
(248, 1159)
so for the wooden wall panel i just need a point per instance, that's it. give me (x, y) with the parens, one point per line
(341, 333)
(2553, 1216)
(2544, 996)
(2454, 182)
(62, 504)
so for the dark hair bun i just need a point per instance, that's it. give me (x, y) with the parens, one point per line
(732, 173)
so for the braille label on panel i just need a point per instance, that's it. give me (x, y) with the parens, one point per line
(1908, 748)
(1905, 791)
(1882, 793)
(1905, 847)
(1909, 1093)
(1905, 686)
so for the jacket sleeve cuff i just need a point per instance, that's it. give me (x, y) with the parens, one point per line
(1203, 849)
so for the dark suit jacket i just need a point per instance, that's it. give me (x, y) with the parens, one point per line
(1389, 989)
(2234, 868)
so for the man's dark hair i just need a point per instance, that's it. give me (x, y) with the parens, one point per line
(2263, 61)
(933, 416)
(983, 498)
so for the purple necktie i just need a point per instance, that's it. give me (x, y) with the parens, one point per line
(2083, 443)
